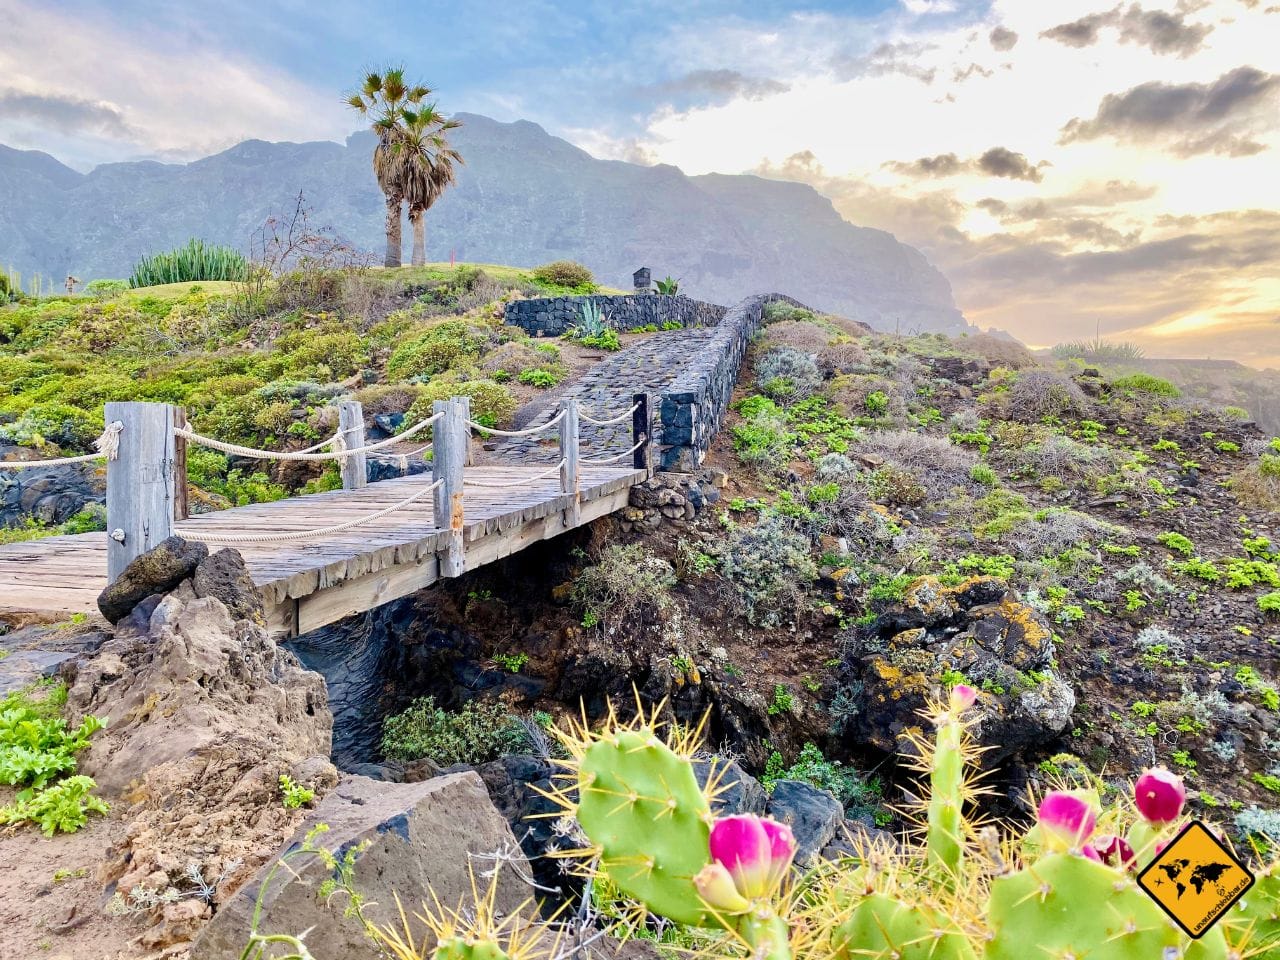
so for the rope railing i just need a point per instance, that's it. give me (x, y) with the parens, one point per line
(107, 446)
(586, 418)
(193, 533)
(339, 453)
(622, 456)
(529, 432)
(502, 485)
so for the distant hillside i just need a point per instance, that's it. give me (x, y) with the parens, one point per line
(523, 198)
(1226, 382)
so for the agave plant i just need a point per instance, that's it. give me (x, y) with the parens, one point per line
(668, 286)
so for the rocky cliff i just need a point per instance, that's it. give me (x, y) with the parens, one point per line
(523, 198)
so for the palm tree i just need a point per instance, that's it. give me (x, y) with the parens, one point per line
(383, 98)
(427, 161)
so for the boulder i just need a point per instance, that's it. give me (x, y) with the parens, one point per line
(410, 840)
(224, 575)
(977, 630)
(158, 570)
(739, 791)
(814, 816)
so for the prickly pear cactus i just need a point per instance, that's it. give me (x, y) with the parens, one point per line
(1255, 919)
(458, 948)
(944, 839)
(1066, 905)
(639, 802)
(882, 927)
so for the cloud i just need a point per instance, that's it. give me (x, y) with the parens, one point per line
(1002, 39)
(942, 165)
(1190, 118)
(996, 162)
(1003, 162)
(973, 69)
(902, 56)
(65, 113)
(1158, 30)
(718, 86)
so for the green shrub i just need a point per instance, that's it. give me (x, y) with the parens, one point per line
(542, 379)
(769, 566)
(195, 261)
(446, 346)
(1146, 383)
(626, 580)
(491, 403)
(983, 474)
(565, 273)
(786, 374)
(1270, 603)
(57, 423)
(1177, 543)
(105, 289)
(763, 439)
(479, 732)
(812, 767)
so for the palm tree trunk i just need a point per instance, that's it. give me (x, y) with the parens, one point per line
(418, 221)
(395, 245)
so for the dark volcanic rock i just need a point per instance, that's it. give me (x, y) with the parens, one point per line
(224, 575)
(814, 815)
(739, 791)
(158, 570)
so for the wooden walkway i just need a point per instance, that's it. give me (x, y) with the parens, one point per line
(308, 583)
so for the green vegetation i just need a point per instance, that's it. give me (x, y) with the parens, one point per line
(192, 263)
(1178, 543)
(294, 795)
(480, 731)
(38, 754)
(565, 275)
(1146, 383)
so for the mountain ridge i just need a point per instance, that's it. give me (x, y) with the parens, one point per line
(524, 197)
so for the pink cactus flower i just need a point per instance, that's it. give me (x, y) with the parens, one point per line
(1160, 796)
(1114, 851)
(755, 851)
(1066, 820)
(1089, 853)
(963, 697)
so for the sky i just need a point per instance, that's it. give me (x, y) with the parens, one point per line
(1075, 167)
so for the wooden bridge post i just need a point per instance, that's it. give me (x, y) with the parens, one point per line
(140, 482)
(450, 436)
(642, 426)
(351, 423)
(181, 501)
(466, 413)
(570, 475)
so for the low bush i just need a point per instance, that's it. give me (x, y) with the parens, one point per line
(491, 403)
(786, 374)
(565, 273)
(939, 466)
(625, 581)
(799, 335)
(446, 346)
(769, 566)
(1258, 485)
(479, 732)
(848, 786)
(1145, 383)
(1037, 394)
(998, 351)
(763, 439)
(842, 357)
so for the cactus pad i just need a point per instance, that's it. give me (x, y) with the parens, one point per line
(882, 927)
(1068, 906)
(458, 948)
(640, 804)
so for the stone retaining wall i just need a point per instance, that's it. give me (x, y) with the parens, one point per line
(552, 316)
(693, 405)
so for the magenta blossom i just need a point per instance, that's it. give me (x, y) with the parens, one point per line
(1114, 851)
(1066, 820)
(963, 697)
(755, 852)
(1160, 796)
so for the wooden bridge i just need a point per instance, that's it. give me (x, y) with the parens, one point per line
(321, 557)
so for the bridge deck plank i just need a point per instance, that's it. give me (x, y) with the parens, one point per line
(307, 583)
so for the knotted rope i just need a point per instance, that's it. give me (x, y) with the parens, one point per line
(107, 445)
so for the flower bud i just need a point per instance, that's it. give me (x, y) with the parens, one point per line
(782, 849)
(963, 697)
(1160, 795)
(717, 889)
(1066, 820)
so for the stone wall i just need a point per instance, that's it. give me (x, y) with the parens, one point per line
(693, 406)
(552, 316)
